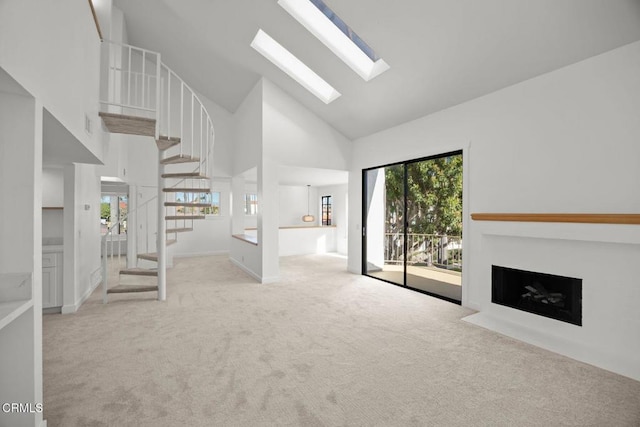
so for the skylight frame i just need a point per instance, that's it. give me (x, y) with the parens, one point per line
(319, 24)
(293, 67)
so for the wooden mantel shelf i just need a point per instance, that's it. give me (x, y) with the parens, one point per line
(559, 217)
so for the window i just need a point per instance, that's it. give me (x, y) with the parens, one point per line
(113, 210)
(250, 204)
(296, 69)
(204, 204)
(323, 23)
(326, 210)
(214, 201)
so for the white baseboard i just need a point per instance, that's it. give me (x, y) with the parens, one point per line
(96, 277)
(68, 309)
(267, 280)
(246, 269)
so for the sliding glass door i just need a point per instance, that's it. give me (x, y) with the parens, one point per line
(412, 219)
(384, 218)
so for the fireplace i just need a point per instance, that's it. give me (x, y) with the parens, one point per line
(556, 297)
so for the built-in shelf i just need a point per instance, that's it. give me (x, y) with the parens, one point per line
(52, 208)
(15, 296)
(9, 311)
(559, 217)
(246, 238)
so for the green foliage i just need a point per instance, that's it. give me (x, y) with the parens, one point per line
(434, 197)
(105, 210)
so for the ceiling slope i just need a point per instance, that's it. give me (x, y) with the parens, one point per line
(441, 52)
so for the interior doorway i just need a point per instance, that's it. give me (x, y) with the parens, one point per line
(412, 224)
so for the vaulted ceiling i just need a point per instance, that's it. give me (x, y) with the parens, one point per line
(441, 52)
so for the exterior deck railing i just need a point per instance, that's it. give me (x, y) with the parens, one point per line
(424, 249)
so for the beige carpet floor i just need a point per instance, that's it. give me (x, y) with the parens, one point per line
(321, 348)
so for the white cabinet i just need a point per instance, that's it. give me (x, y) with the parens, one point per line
(51, 277)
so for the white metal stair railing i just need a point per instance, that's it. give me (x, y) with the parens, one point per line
(132, 80)
(108, 248)
(111, 242)
(140, 86)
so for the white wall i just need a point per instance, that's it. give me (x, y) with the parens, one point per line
(339, 201)
(247, 154)
(223, 147)
(211, 235)
(57, 40)
(116, 159)
(566, 141)
(306, 240)
(21, 124)
(295, 136)
(52, 196)
(81, 234)
(292, 136)
(292, 200)
(52, 187)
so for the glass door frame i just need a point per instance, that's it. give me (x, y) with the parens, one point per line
(404, 164)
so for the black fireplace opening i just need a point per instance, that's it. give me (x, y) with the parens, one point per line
(548, 295)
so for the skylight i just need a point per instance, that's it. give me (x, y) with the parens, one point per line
(323, 23)
(296, 69)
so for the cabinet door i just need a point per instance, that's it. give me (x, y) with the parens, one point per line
(59, 280)
(49, 287)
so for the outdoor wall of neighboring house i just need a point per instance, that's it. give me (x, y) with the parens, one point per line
(53, 50)
(563, 142)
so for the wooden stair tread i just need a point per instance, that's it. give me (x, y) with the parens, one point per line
(188, 204)
(166, 142)
(185, 175)
(179, 158)
(186, 190)
(171, 242)
(183, 217)
(123, 289)
(130, 125)
(139, 272)
(179, 230)
(149, 257)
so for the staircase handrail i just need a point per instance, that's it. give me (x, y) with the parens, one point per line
(204, 162)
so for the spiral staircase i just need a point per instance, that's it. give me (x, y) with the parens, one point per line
(140, 95)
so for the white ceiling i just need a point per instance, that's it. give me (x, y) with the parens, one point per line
(296, 176)
(441, 52)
